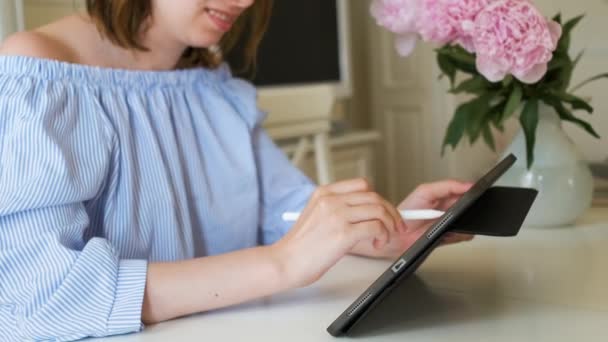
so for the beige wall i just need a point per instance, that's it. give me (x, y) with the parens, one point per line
(358, 108)
(40, 12)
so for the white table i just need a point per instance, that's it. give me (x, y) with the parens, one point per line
(543, 285)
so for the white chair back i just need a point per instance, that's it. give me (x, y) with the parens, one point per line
(303, 113)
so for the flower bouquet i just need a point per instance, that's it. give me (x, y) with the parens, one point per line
(504, 53)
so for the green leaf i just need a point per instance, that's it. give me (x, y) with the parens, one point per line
(558, 73)
(576, 102)
(447, 67)
(457, 53)
(466, 68)
(564, 41)
(571, 24)
(566, 115)
(496, 115)
(475, 124)
(529, 122)
(468, 118)
(563, 44)
(500, 127)
(478, 116)
(578, 58)
(564, 76)
(457, 57)
(462, 55)
(558, 18)
(456, 127)
(513, 102)
(488, 138)
(587, 81)
(557, 63)
(473, 85)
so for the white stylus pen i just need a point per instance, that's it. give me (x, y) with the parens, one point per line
(422, 214)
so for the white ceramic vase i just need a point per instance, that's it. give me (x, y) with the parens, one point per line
(559, 173)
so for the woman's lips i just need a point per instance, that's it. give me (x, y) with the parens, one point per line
(221, 19)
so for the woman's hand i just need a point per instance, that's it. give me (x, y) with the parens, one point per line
(439, 195)
(337, 217)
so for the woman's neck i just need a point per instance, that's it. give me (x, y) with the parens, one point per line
(82, 44)
(163, 51)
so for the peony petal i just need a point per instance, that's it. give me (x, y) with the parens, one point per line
(556, 31)
(533, 75)
(405, 43)
(490, 70)
(467, 26)
(512, 36)
(375, 9)
(467, 43)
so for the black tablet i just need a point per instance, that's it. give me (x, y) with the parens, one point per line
(415, 255)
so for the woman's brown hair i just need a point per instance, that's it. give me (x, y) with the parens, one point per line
(122, 21)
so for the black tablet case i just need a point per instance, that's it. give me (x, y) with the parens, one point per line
(499, 211)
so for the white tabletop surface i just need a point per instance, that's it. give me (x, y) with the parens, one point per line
(543, 285)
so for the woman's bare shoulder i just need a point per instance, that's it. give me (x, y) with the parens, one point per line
(40, 43)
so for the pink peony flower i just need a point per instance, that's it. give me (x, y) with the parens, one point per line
(399, 17)
(405, 43)
(512, 37)
(438, 21)
(449, 21)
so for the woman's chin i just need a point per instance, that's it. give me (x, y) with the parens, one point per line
(206, 42)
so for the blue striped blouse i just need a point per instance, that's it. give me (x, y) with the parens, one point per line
(104, 170)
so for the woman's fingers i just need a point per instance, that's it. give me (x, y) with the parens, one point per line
(427, 195)
(372, 217)
(329, 190)
(342, 187)
(351, 203)
(445, 188)
(368, 230)
(347, 186)
(431, 194)
(448, 202)
(362, 198)
(370, 212)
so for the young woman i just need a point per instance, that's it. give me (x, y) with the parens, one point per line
(136, 184)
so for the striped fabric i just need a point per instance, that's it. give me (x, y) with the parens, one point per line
(105, 170)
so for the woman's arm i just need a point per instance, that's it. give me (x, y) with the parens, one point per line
(336, 218)
(203, 284)
(57, 282)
